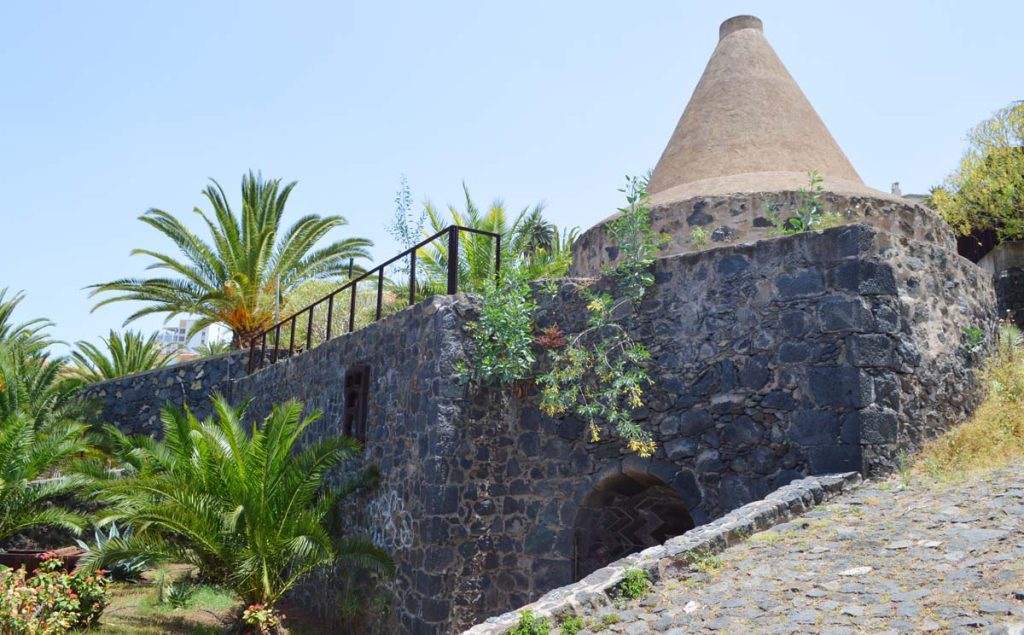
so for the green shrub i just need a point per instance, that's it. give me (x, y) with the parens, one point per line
(572, 625)
(244, 504)
(503, 336)
(635, 584)
(530, 624)
(50, 602)
(600, 374)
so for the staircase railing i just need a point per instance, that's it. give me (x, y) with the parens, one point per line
(260, 357)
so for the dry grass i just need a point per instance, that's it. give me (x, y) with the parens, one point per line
(994, 436)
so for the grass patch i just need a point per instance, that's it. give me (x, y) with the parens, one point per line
(704, 561)
(994, 436)
(766, 537)
(135, 610)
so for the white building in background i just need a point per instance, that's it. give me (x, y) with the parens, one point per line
(175, 339)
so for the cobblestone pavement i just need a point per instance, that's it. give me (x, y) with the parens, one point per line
(886, 558)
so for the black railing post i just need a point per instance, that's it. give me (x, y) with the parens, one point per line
(330, 315)
(277, 343)
(412, 277)
(380, 292)
(497, 259)
(351, 264)
(352, 311)
(291, 339)
(453, 260)
(309, 328)
(263, 350)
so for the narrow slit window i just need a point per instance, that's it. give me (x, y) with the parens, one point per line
(357, 393)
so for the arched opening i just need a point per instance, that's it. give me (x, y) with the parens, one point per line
(623, 515)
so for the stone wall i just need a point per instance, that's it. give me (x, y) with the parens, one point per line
(741, 218)
(133, 403)
(814, 353)
(415, 418)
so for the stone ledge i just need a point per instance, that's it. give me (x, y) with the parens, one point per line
(674, 556)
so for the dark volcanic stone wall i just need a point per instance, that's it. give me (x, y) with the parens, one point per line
(821, 352)
(741, 218)
(133, 403)
(415, 419)
(808, 354)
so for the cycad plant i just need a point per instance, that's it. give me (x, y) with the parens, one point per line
(39, 434)
(124, 354)
(476, 252)
(246, 506)
(33, 383)
(529, 243)
(32, 333)
(30, 479)
(234, 276)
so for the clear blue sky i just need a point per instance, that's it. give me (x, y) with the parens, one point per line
(110, 108)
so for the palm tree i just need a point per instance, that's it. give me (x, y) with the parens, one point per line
(30, 484)
(232, 279)
(215, 347)
(476, 252)
(552, 261)
(125, 354)
(35, 385)
(250, 509)
(32, 332)
(537, 232)
(38, 434)
(528, 241)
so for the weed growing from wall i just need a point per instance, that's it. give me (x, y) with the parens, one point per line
(530, 624)
(699, 238)
(600, 374)
(572, 625)
(502, 337)
(635, 584)
(597, 374)
(810, 214)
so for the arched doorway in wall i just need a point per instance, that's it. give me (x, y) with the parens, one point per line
(625, 514)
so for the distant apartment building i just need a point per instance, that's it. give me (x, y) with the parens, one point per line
(175, 339)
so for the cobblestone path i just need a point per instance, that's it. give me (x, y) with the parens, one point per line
(885, 558)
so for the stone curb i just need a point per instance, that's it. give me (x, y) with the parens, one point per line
(674, 557)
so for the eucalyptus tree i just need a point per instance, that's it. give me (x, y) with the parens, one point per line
(247, 266)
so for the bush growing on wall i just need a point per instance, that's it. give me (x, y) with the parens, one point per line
(597, 374)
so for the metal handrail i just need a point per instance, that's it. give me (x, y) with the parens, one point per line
(257, 363)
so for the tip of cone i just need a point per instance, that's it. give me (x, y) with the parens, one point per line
(739, 22)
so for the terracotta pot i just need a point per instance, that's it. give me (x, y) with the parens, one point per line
(30, 559)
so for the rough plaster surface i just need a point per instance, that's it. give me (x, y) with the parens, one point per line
(748, 116)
